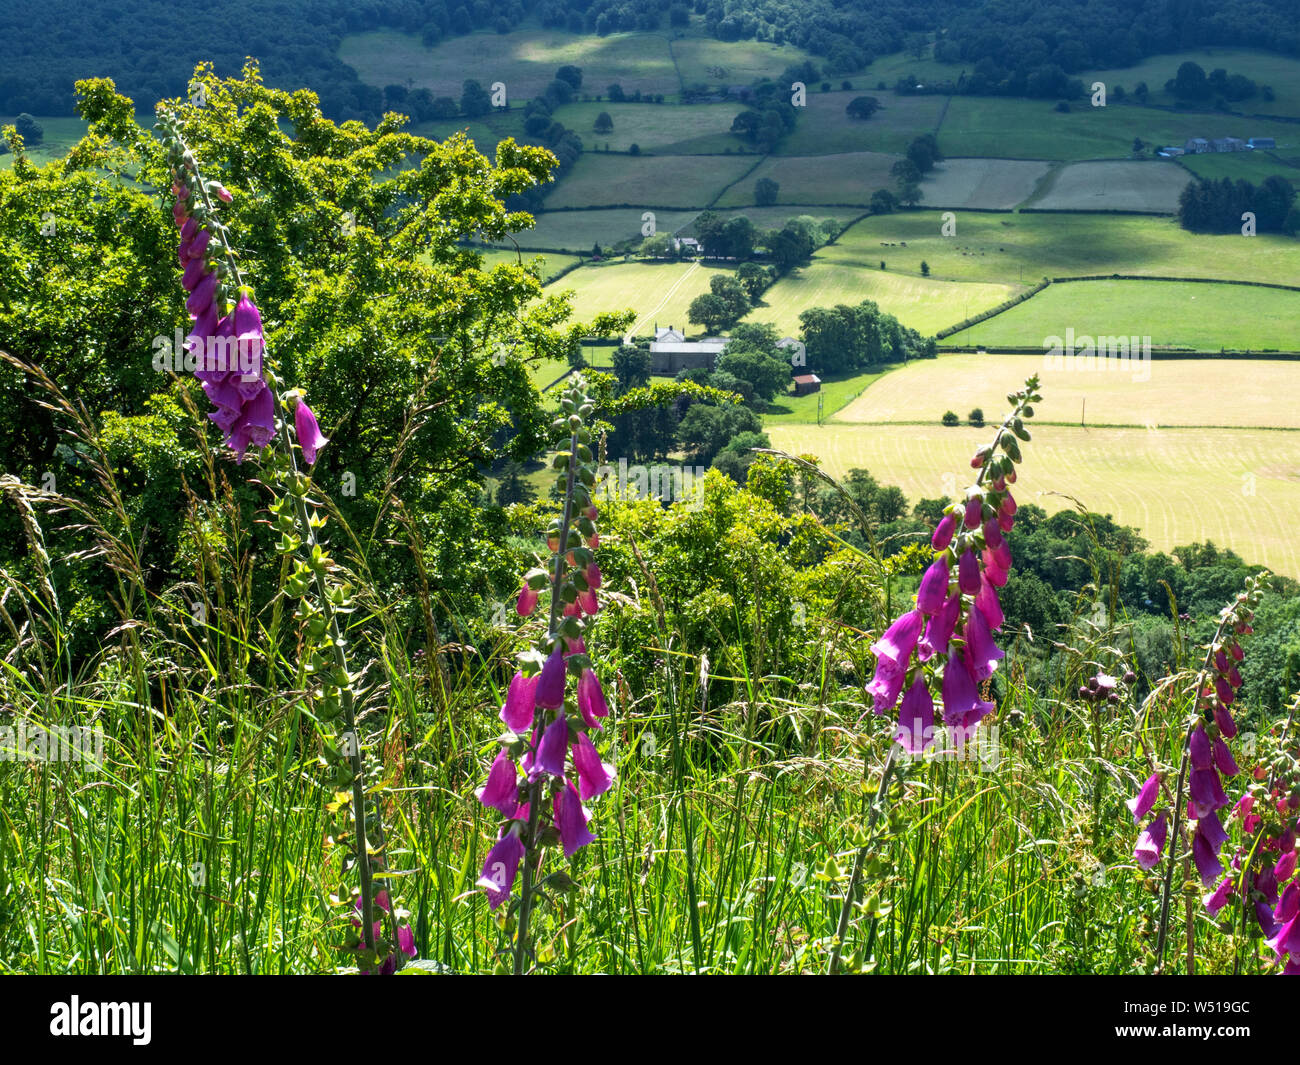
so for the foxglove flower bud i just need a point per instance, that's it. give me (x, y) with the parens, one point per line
(943, 532)
(968, 573)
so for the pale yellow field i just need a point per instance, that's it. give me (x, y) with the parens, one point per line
(922, 303)
(659, 292)
(1175, 392)
(1237, 487)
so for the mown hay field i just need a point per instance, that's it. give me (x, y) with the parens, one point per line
(658, 292)
(924, 304)
(1237, 487)
(1115, 185)
(997, 184)
(1164, 392)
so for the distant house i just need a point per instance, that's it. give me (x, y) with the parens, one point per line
(671, 352)
(807, 383)
(688, 245)
(1196, 146)
(1229, 144)
(1262, 142)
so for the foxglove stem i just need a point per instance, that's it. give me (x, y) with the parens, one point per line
(1176, 834)
(558, 565)
(877, 807)
(308, 537)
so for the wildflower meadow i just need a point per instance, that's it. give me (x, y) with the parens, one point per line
(290, 683)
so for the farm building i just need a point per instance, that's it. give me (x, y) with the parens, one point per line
(807, 383)
(1262, 142)
(688, 245)
(1199, 145)
(1170, 152)
(671, 352)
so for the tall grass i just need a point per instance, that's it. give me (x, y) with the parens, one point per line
(203, 844)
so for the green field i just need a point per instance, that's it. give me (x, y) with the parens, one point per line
(776, 217)
(664, 129)
(485, 132)
(1254, 166)
(923, 303)
(837, 391)
(525, 60)
(659, 292)
(1203, 317)
(1237, 487)
(61, 133)
(1280, 72)
(700, 56)
(825, 128)
(983, 183)
(1002, 127)
(1024, 247)
(675, 181)
(551, 265)
(579, 230)
(816, 179)
(1164, 392)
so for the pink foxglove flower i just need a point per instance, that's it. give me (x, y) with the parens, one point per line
(934, 586)
(591, 699)
(501, 792)
(550, 686)
(1151, 842)
(527, 601)
(594, 776)
(500, 868)
(571, 819)
(551, 751)
(521, 700)
(1141, 805)
(939, 629)
(310, 438)
(943, 532)
(916, 718)
(962, 706)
